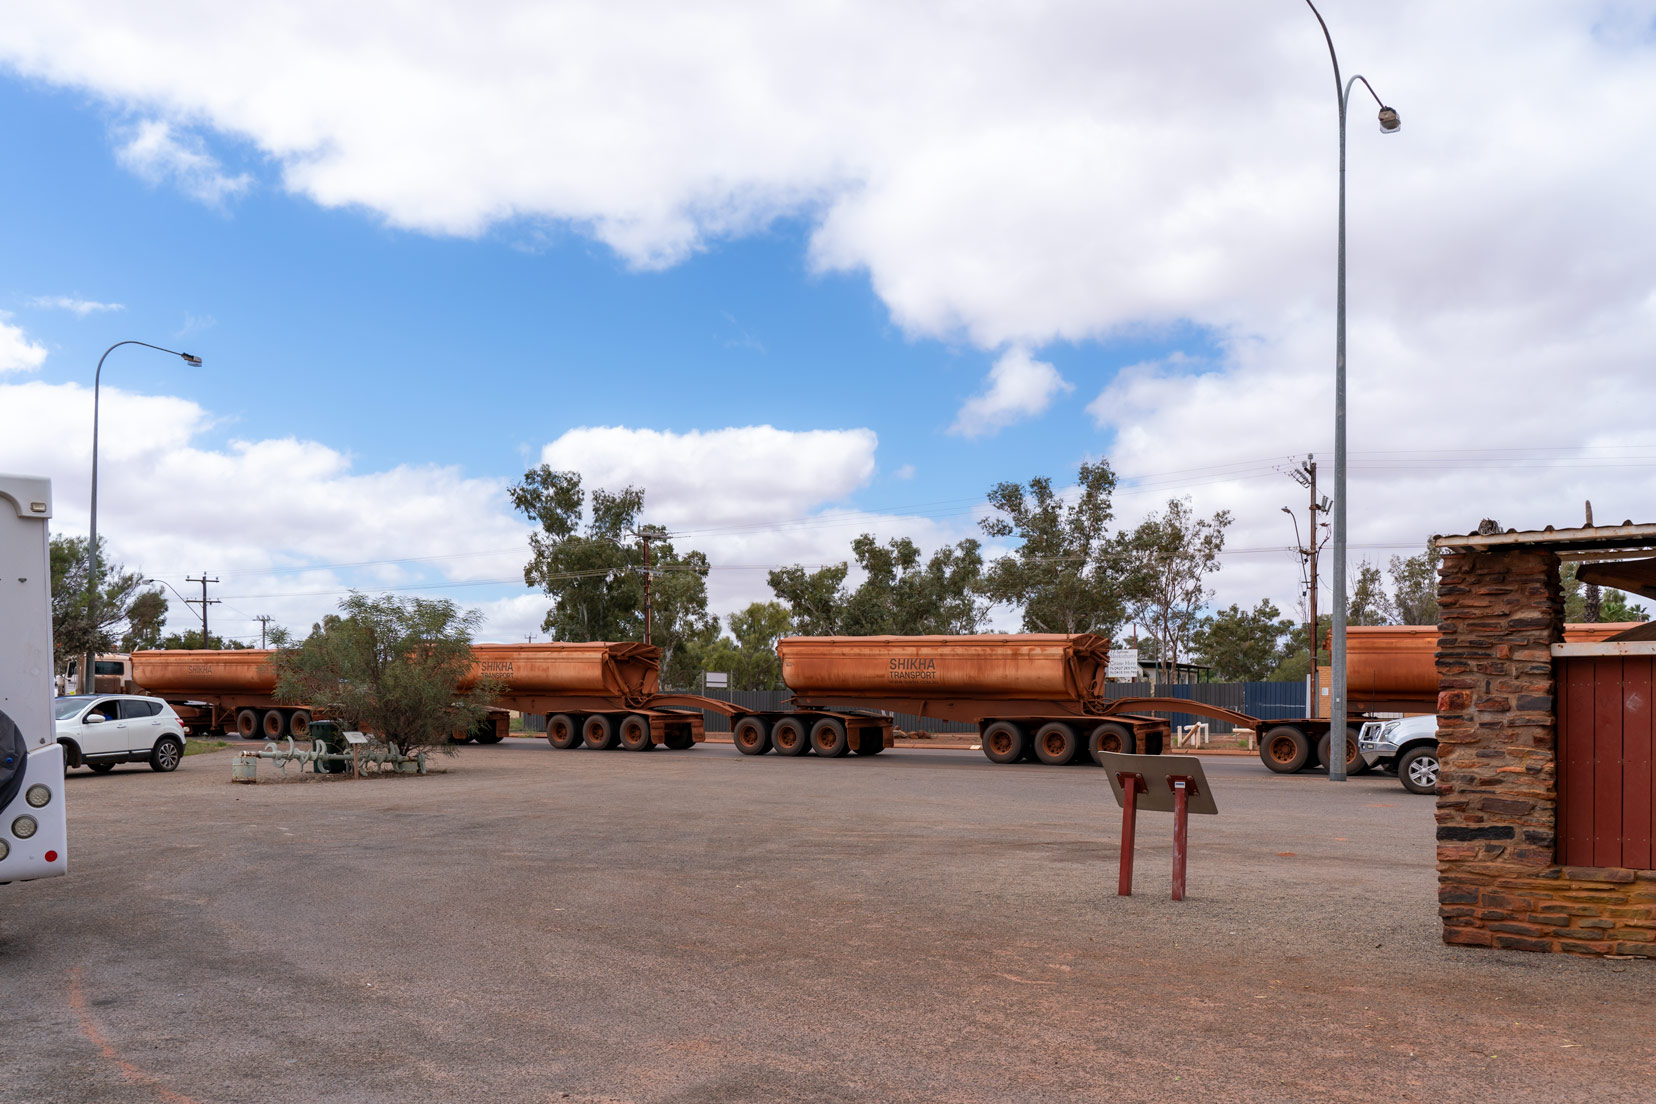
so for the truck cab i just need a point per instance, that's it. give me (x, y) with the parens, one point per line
(1408, 746)
(111, 674)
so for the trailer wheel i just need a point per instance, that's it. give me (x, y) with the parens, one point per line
(680, 737)
(299, 724)
(1056, 743)
(1004, 742)
(563, 731)
(635, 732)
(828, 738)
(788, 736)
(870, 741)
(247, 724)
(1113, 738)
(273, 724)
(1355, 763)
(599, 731)
(751, 736)
(1285, 749)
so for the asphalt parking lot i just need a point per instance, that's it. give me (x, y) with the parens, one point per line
(535, 925)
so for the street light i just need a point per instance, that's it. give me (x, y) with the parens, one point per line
(1389, 124)
(88, 676)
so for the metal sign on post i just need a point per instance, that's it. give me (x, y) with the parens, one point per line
(1161, 784)
(716, 680)
(355, 740)
(1123, 665)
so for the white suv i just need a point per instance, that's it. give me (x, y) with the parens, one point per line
(101, 730)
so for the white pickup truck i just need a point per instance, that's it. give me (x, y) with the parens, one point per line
(1409, 746)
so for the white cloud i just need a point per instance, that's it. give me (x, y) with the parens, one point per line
(160, 154)
(1016, 175)
(905, 472)
(751, 497)
(17, 352)
(288, 525)
(82, 307)
(1018, 387)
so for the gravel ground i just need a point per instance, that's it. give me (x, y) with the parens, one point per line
(536, 925)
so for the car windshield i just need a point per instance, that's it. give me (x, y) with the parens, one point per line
(64, 708)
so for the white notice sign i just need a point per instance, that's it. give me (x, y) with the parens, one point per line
(717, 680)
(1123, 665)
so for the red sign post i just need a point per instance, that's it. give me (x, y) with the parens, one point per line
(1161, 784)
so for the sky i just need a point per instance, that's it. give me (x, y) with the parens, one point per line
(806, 271)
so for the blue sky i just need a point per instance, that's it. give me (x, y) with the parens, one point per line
(423, 273)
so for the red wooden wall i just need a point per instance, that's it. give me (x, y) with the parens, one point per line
(1606, 768)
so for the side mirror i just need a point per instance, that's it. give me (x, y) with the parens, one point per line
(94, 718)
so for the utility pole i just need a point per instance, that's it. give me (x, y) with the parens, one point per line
(1306, 476)
(645, 535)
(204, 602)
(1316, 687)
(264, 620)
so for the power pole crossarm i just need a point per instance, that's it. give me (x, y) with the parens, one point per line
(204, 602)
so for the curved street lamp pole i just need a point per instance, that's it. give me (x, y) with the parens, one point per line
(88, 673)
(1389, 124)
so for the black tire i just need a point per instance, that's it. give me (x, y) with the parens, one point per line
(247, 724)
(751, 736)
(1056, 743)
(1004, 742)
(829, 738)
(599, 732)
(788, 736)
(679, 738)
(1418, 768)
(273, 724)
(299, 724)
(563, 731)
(1355, 764)
(100, 768)
(1285, 749)
(869, 741)
(635, 732)
(486, 732)
(166, 754)
(1112, 738)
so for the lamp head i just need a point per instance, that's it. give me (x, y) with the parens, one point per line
(1389, 122)
(191, 359)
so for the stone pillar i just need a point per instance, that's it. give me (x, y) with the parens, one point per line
(1501, 611)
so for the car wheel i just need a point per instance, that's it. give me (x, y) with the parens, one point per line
(101, 768)
(1417, 769)
(167, 754)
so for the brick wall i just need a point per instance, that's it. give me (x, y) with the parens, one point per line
(1498, 883)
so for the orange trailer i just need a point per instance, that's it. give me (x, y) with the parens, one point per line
(1032, 695)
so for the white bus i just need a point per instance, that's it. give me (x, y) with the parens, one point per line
(34, 823)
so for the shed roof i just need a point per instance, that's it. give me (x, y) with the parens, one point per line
(1588, 538)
